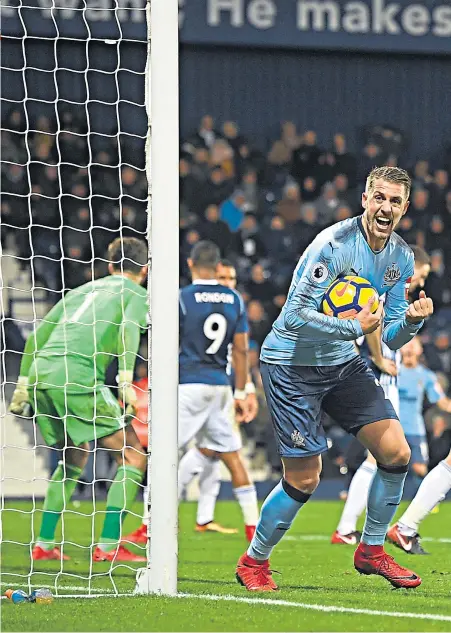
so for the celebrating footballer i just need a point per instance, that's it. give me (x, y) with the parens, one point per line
(309, 364)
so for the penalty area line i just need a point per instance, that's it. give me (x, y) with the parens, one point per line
(315, 607)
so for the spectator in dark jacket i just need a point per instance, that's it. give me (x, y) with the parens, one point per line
(217, 231)
(305, 158)
(253, 246)
(259, 323)
(189, 185)
(345, 162)
(289, 207)
(259, 287)
(215, 190)
(230, 133)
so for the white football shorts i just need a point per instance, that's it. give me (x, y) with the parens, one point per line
(392, 393)
(207, 413)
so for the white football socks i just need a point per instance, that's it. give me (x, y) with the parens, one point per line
(209, 485)
(191, 464)
(357, 498)
(433, 489)
(247, 498)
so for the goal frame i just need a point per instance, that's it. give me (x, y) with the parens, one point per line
(162, 156)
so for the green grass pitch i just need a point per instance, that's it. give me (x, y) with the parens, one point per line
(313, 572)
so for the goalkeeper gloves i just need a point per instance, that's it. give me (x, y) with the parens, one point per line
(19, 404)
(127, 393)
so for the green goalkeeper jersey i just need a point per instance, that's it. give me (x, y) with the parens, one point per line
(84, 332)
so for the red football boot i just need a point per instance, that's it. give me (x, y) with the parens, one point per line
(249, 530)
(40, 553)
(353, 538)
(254, 575)
(120, 555)
(371, 559)
(138, 537)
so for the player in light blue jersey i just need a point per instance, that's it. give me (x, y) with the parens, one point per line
(385, 364)
(309, 363)
(416, 381)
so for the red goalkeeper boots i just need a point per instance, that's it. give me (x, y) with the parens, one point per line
(138, 537)
(39, 553)
(119, 555)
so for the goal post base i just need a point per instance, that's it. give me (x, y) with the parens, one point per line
(142, 586)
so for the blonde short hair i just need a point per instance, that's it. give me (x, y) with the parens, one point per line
(390, 174)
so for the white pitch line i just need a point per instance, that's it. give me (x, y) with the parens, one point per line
(324, 537)
(59, 589)
(316, 607)
(279, 603)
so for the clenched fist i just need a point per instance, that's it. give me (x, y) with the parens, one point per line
(420, 309)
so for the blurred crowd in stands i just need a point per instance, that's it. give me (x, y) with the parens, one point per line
(64, 199)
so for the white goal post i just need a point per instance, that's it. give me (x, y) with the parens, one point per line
(80, 98)
(162, 102)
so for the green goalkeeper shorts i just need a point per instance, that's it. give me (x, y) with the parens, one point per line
(82, 417)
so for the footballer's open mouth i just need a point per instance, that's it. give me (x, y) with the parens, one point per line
(383, 224)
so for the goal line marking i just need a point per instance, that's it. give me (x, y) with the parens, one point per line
(316, 607)
(264, 601)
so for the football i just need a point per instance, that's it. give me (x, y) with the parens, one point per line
(347, 296)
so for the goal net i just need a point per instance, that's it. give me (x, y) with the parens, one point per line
(74, 129)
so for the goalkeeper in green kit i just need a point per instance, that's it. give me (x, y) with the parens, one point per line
(62, 376)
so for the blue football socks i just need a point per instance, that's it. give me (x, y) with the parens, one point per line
(276, 516)
(383, 499)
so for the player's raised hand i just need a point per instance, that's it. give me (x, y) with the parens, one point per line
(368, 320)
(420, 309)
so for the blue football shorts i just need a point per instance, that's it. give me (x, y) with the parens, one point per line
(296, 395)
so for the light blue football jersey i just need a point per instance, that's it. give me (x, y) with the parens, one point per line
(210, 315)
(413, 383)
(303, 335)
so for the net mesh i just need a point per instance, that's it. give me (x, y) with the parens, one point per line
(74, 129)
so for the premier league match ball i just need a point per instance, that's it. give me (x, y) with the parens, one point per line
(347, 296)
